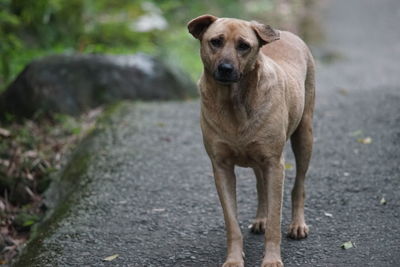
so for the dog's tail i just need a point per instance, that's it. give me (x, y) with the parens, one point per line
(310, 83)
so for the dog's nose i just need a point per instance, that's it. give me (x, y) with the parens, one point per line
(225, 68)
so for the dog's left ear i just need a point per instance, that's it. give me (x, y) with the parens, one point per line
(199, 25)
(265, 33)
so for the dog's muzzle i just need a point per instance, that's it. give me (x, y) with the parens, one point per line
(226, 73)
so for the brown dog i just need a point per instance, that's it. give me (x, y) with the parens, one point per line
(257, 90)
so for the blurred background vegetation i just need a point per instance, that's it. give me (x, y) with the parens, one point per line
(31, 29)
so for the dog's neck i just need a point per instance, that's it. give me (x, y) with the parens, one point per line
(236, 98)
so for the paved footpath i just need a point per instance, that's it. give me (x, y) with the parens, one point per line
(148, 195)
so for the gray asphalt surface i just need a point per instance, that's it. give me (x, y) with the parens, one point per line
(148, 194)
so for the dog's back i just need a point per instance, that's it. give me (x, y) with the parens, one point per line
(291, 53)
(296, 61)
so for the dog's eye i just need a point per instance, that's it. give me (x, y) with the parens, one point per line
(243, 46)
(216, 42)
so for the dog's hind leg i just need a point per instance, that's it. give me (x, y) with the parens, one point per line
(302, 141)
(260, 222)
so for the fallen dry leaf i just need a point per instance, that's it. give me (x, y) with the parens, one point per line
(111, 258)
(5, 162)
(343, 91)
(5, 132)
(347, 245)
(288, 166)
(31, 154)
(158, 210)
(29, 175)
(2, 206)
(366, 140)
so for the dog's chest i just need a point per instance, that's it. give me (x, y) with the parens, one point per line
(251, 154)
(245, 144)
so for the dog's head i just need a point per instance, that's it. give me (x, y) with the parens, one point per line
(229, 47)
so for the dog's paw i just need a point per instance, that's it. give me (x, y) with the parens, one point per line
(271, 263)
(233, 263)
(258, 226)
(298, 230)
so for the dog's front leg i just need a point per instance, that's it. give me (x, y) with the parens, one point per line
(225, 182)
(273, 174)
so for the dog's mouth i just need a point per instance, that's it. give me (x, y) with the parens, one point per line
(226, 79)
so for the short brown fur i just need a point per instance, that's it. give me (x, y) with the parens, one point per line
(247, 122)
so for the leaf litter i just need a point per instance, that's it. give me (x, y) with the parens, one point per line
(30, 150)
(365, 141)
(362, 140)
(288, 166)
(348, 245)
(111, 258)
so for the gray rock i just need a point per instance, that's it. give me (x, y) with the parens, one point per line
(72, 84)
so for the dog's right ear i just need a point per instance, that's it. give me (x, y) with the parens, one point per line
(199, 25)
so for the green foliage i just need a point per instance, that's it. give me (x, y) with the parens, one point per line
(69, 124)
(25, 220)
(8, 39)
